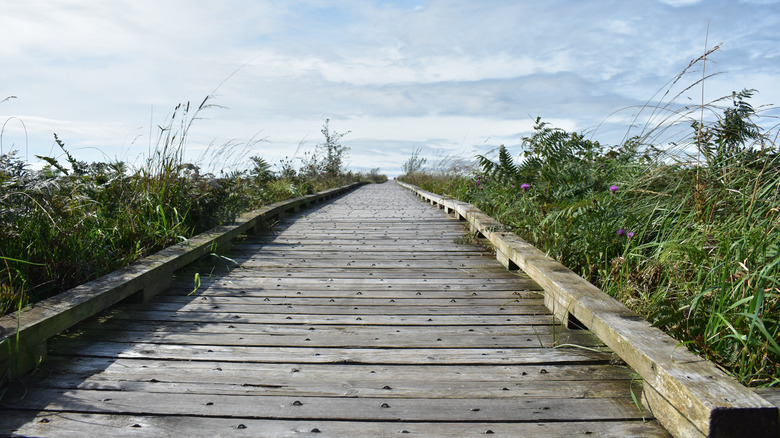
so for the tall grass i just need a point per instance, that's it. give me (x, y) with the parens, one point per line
(687, 237)
(72, 221)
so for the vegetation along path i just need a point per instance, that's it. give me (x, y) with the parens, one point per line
(373, 315)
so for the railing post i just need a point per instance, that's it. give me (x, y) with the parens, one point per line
(23, 336)
(688, 395)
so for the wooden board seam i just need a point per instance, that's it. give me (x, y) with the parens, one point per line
(23, 335)
(695, 389)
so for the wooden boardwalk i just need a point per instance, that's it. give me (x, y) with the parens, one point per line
(369, 316)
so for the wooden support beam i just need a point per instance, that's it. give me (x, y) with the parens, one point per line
(689, 395)
(23, 335)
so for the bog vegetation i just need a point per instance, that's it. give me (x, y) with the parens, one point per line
(72, 221)
(685, 233)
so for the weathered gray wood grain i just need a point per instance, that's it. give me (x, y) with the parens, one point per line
(424, 320)
(333, 408)
(387, 303)
(345, 339)
(688, 394)
(23, 335)
(340, 355)
(66, 424)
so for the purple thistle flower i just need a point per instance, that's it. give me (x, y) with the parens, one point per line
(621, 232)
(630, 234)
(613, 188)
(525, 186)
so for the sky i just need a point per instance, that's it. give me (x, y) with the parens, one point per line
(451, 78)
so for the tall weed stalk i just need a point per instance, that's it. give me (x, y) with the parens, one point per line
(73, 221)
(686, 236)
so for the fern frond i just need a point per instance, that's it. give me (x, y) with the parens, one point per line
(53, 162)
(505, 162)
(505, 170)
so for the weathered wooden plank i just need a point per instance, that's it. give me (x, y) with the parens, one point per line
(226, 357)
(430, 356)
(362, 320)
(379, 261)
(366, 275)
(335, 309)
(66, 424)
(386, 294)
(408, 388)
(398, 252)
(314, 236)
(425, 228)
(327, 270)
(331, 408)
(357, 249)
(342, 381)
(25, 333)
(443, 230)
(378, 375)
(367, 284)
(362, 286)
(454, 244)
(455, 277)
(543, 326)
(239, 285)
(686, 392)
(351, 300)
(329, 338)
(772, 395)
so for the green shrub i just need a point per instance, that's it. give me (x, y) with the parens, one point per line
(72, 222)
(691, 244)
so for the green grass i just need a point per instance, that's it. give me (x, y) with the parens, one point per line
(689, 240)
(73, 222)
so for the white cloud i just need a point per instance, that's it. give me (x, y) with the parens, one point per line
(438, 74)
(389, 66)
(623, 27)
(680, 3)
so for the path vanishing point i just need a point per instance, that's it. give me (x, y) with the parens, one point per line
(372, 315)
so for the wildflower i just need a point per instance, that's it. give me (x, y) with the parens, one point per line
(621, 232)
(630, 234)
(613, 188)
(525, 187)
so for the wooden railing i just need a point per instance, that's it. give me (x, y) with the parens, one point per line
(690, 396)
(23, 335)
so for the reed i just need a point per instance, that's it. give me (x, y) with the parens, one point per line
(72, 221)
(682, 229)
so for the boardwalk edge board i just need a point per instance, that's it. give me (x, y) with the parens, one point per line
(690, 396)
(23, 335)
